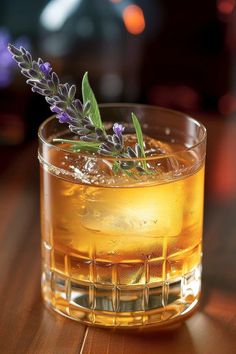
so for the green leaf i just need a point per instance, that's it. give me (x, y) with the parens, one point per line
(139, 135)
(84, 148)
(88, 95)
(80, 145)
(130, 174)
(116, 167)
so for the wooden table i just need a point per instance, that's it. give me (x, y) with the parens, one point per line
(27, 327)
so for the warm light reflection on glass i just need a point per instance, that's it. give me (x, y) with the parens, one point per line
(227, 103)
(115, 1)
(225, 7)
(134, 20)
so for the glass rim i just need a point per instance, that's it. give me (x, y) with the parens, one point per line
(128, 105)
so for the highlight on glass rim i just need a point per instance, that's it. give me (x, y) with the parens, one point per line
(122, 190)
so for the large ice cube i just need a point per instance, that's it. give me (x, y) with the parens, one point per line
(149, 211)
(152, 211)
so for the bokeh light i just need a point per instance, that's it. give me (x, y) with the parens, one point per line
(223, 184)
(175, 96)
(227, 103)
(111, 85)
(7, 65)
(134, 20)
(226, 7)
(56, 12)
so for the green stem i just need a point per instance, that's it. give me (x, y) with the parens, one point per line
(80, 145)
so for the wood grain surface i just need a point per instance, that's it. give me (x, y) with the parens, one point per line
(27, 327)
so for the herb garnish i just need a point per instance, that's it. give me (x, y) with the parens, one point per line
(84, 119)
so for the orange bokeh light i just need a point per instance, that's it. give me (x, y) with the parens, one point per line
(116, 1)
(134, 20)
(226, 7)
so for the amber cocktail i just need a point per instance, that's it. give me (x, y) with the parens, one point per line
(124, 250)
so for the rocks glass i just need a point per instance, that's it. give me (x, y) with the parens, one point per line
(124, 250)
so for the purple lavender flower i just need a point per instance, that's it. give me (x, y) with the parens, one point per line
(55, 109)
(61, 97)
(118, 129)
(45, 68)
(83, 119)
(63, 117)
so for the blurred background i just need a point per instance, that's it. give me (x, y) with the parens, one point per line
(180, 55)
(174, 54)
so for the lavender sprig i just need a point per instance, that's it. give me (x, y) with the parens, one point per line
(61, 97)
(83, 118)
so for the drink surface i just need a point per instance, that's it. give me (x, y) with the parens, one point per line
(129, 249)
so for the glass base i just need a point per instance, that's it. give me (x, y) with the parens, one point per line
(125, 307)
